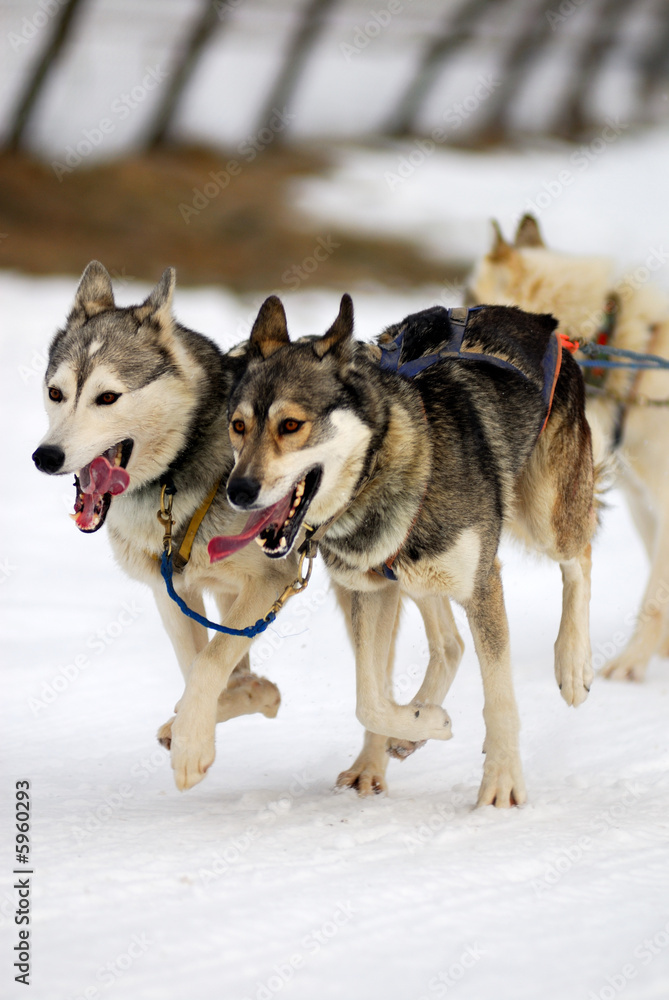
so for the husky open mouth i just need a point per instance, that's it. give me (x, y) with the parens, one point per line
(96, 484)
(274, 528)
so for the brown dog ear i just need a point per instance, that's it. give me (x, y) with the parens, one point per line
(340, 331)
(528, 233)
(94, 294)
(500, 248)
(270, 330)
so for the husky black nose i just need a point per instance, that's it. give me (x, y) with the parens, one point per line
(243, 492)
(49, 458)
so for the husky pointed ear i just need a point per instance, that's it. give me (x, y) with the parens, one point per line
(528, 233)
(340, 332)
(158, 305)
(270, 330)
(500, 248)
(94, 294)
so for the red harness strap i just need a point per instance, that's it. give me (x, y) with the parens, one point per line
(563, 343)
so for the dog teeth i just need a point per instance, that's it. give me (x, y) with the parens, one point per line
(283, 544)
(259, 541)
(299, 490)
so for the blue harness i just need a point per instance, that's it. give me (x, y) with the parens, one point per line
(458, 319)
(452, 348)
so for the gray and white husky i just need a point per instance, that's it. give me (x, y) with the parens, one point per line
(134, 398)
(415, 479)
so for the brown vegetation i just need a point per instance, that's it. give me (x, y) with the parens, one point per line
(127, 215)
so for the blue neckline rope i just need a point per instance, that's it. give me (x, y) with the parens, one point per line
(640, 361)
(250, 631)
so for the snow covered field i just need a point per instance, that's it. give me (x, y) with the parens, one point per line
(260, 883)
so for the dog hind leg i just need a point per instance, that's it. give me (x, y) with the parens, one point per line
(556, 515)
(640, 507)
(573, 657)
(646, 495)
(652, 622)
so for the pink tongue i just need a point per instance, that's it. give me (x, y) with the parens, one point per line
(224, 545)
(85, 518)
(105, 478)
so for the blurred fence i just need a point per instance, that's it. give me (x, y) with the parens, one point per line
(470, 72)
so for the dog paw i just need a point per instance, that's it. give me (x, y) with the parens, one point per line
(415, 723)
(574, 677)
(430, 722)
(164, 734)
(623, 668)
(365, 779)
(401, 749)
(268, 698)
(503, 785)
(247, 695)
(191, 759)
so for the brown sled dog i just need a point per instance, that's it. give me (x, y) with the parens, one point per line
(629, 429)
(415, 479)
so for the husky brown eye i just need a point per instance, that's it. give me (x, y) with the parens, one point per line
(55, 394)
(290, 425)
(238, 426)
(107, 398)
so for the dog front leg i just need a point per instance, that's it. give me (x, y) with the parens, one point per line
(446, 648)
(245, 694)
(374, 615)
(193, 729)
(502, 783)
(188, 638)
(445, 645)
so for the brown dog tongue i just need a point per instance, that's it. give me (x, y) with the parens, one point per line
(224, 545)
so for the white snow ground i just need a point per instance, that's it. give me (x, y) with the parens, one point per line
(260, 882)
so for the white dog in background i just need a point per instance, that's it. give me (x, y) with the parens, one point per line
(628, 410)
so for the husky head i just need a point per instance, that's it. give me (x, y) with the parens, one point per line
(525, 274)
(297, 429)
(115, 395)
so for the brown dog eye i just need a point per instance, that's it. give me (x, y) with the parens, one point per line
(107, 398)
(290, 425)
(238, 426)
(55, 394)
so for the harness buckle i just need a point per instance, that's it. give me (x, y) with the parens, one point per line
(308, 550)
(164, 515)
